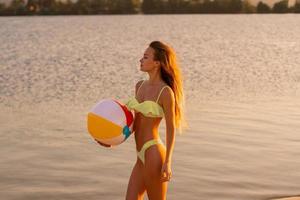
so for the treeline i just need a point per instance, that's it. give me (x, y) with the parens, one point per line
(93, 7)
(68, 7)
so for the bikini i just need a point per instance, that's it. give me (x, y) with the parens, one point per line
(147, 108)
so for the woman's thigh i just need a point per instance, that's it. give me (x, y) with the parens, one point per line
(136, 186)
(154, 158)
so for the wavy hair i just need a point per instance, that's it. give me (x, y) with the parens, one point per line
(171, 75)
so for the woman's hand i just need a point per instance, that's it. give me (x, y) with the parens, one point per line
(166, 172)
(102, 144)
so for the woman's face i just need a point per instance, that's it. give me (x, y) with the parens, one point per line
(147, 62)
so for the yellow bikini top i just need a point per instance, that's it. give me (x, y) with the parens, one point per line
(148, 108)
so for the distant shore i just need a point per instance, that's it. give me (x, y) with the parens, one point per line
(101, 7)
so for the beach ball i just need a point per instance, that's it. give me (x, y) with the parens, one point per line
(110, 122)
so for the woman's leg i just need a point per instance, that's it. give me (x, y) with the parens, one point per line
(156, 189)
(136, 186)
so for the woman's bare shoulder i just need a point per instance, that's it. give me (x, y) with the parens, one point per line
(138, 84)
(167, 93)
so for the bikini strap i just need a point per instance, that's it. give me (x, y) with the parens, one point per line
(139, 88)
(161, 92)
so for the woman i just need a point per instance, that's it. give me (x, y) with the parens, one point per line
(159, 96)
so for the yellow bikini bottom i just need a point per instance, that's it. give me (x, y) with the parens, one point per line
(148, 144)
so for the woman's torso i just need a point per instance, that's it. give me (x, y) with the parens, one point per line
(146, 128)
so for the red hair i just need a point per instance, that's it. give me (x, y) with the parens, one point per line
(171, 75)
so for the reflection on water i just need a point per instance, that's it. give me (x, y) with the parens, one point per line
(222, 56)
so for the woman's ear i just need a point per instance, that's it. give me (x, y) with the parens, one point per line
(157, 63)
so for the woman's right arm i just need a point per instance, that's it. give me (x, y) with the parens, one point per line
(102, 144)
(137, 85)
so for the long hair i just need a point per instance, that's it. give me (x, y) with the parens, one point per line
(171, 75)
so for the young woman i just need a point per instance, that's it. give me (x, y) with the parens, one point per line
(161, 96)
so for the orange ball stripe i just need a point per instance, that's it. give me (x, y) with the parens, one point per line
(101, 128)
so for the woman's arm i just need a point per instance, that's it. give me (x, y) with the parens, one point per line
(137, 85)
(169, 112)
(168, 102)
(102, 144)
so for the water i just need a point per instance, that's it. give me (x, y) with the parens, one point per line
(222, 56)
(242, 87)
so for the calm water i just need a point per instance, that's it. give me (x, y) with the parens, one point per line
(78, 58)
(242, 87)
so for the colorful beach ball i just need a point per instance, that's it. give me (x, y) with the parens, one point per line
(110, 122)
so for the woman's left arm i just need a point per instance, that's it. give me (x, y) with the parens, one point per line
(168, 102)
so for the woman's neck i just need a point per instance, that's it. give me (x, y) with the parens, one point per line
(154, 78)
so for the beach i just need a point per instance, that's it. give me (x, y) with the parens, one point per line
(242, 91)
